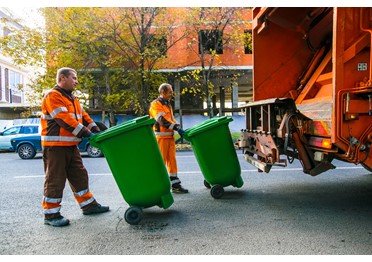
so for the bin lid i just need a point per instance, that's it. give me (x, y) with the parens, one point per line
(122, 128)
(206, 125)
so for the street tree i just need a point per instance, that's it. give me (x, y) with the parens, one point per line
(26, 47)
(213, 30)
(143, 36)
(76, 39)
(123, 45)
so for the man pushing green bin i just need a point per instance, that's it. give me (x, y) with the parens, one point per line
(215, 152)
(134, 158)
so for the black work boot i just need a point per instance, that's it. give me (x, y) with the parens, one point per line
(97, 209)
(178, 189)
(57, 221)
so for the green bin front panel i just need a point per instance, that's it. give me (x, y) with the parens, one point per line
(134, 158)
(215, 152)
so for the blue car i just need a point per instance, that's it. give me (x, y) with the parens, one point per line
(17, 131)
(28, 146)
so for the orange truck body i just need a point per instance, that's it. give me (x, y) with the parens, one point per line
(312, 87)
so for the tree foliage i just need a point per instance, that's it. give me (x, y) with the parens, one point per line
(26, 47)
(223, 29)
(118, 51)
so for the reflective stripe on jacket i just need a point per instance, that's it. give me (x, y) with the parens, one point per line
(64, 121)
(162, 112)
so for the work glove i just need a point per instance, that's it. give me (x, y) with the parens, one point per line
(181, 132)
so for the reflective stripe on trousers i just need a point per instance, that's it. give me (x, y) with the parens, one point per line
(51, 205)
(84, 197)
(174, 179)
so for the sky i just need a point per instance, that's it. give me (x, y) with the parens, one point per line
(29, 16)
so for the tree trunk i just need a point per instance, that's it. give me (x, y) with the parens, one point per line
(111, 112)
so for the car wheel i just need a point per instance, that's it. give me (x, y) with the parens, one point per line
(94, 151)
(26, 151)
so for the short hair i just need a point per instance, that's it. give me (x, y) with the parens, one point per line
(66, 71)
(164, 87)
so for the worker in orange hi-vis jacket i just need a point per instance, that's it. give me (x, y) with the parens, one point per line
(64, 122)
(164, 127)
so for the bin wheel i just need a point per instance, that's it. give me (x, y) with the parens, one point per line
(133, 215)
(366, 167)
(206, 184)
(217, 191)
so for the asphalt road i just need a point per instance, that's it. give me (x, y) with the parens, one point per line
(285, 212)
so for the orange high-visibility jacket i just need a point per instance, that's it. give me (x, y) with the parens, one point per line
(161, 111)
(63, 119)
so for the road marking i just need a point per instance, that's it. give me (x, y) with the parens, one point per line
(199, 172)
(272, 170)
(28, 176)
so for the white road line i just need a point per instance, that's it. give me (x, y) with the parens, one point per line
(199, 172)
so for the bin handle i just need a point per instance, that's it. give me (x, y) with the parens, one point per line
(141, 119)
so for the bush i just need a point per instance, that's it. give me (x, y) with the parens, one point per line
(235, 136)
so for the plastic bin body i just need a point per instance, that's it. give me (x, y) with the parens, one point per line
(134, 158)
(215, 153)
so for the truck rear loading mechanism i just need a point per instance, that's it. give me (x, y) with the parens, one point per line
(312, 88)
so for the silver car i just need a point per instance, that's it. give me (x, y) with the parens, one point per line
(17, 131)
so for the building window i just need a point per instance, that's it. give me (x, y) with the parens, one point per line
(13, 86)
(15, 81)
(209, 41)
(157, 45)
(247, 41)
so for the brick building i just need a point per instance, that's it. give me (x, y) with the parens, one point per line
(232, 61)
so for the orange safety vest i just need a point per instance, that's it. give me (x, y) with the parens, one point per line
(63, 119)
(161, 111)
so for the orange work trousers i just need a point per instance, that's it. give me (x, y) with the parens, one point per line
(167, 148)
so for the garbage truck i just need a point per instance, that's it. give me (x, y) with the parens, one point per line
(312, 88)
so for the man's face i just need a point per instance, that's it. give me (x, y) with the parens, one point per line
(169, 94)
(69, 82)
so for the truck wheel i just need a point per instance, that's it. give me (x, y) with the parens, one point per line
(26, 151)
(217, 191)
(133, 215)
(206, 184)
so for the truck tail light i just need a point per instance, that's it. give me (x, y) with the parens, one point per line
(320, 142)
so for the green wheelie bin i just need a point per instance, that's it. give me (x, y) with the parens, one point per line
(215, 153)
(134, 158)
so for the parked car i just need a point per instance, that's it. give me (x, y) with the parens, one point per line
(17, 131)
(27, 146)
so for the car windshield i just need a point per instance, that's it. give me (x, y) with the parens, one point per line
(12, 131)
